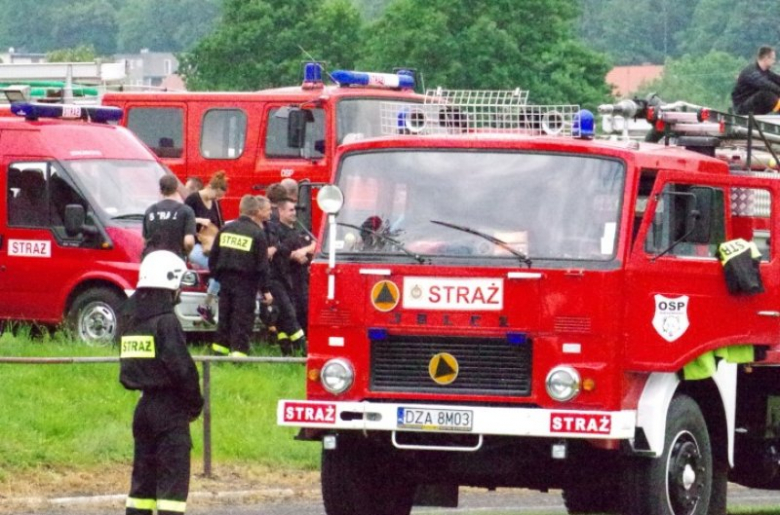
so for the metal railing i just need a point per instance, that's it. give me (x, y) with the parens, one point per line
(205, 377)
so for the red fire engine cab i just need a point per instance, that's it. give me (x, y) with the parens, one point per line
(262, 137)
(501, 300)
(74, 194)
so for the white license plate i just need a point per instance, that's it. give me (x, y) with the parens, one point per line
(435, 419)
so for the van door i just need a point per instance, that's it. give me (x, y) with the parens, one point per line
(36, 254)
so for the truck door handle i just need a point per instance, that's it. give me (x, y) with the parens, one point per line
(773, 314)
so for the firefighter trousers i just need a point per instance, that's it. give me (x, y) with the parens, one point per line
(237, 298)
(161, 465)
(290, 334)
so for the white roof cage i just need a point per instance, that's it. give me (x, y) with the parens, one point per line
(477, 112)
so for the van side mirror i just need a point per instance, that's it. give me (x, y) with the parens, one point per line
(74, 219)
(699, 215)
(296, 127)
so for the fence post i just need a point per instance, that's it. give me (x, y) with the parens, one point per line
(206, 419)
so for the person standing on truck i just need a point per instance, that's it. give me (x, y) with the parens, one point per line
(757, 90)
(292, 251)
(208, 218)
(169, 224)
(154, 359)
(239, 261)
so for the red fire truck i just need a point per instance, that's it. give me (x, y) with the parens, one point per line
(261, 137)
(500, 301)
(70, 223)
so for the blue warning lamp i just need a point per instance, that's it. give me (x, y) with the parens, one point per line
(372, 79)
(312, 75)
(583, 125)
(33, 111)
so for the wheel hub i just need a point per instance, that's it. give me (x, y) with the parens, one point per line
(685, 478)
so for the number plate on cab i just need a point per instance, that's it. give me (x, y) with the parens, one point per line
(435, 419)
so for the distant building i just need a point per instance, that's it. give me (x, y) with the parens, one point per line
(12, 56)
(626, 80)
(151, 69)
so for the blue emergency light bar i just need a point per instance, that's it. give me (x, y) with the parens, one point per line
(98, 114)
(402, 79)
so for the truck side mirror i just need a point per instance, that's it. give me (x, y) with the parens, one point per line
(74, 219)
(304, 204)
(699, 215)
(296, 127)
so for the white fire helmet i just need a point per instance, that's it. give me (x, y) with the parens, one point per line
(161, 269)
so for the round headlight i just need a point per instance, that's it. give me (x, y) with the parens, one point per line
(563, 383)
(337, 376)
(330, 199)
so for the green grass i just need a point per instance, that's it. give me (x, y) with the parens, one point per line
(78, 415)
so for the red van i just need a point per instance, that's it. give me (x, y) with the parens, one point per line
(70, 219)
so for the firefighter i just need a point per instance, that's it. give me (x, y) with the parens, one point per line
(291, 258)
(169, 224)
(155, 360)
(239, 261)
(757, 89)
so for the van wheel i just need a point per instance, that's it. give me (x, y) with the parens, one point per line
(94, 316)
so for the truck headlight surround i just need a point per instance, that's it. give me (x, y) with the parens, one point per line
(337, 375)
(563, 383)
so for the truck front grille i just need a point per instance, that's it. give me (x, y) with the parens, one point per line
(486, 366)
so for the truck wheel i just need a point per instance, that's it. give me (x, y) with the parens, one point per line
(362, 479)
(591, 498)
(93, 316)
(680, 481)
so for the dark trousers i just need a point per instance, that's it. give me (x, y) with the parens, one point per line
(289, 329)
(299, 295)
(161, 465)
(237, 296)
(759, 103)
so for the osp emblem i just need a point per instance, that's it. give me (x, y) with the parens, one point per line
(671, 317)
(443, 368)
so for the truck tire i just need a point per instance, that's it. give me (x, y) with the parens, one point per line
(681, 480)
(591, 498)
(94, 316)
(361, 479)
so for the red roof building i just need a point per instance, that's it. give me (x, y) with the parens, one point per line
(625, 80)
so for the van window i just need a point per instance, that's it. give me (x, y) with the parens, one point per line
(223, 134)
(37, 195)
(161, 128)
(276, 136)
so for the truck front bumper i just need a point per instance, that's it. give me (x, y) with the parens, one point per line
(445, 418)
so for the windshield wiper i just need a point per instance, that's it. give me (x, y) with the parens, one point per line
(492, 239)
(130, 216)
(384, 237)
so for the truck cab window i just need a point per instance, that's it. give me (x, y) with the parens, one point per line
(751, 210)
(276, 136)
(223, 134)
(673, 221)
(161, 128)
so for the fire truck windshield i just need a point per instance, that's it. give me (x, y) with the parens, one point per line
(552, 207)
(360, 118)
(118, 188)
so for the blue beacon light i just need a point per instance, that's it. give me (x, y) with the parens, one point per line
(312, 75)
(402, 80)
(33, 111)
(583, 125)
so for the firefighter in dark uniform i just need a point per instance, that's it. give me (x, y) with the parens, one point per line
(155, 360)
(239, 261)
(169, 224)
(289, 261)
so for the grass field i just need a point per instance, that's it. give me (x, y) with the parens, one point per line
(78, 415)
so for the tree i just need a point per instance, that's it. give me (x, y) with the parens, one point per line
(81, 53)
(173, 25)
(501, 47)
(92, 22)
(737, 27)
(702, 80)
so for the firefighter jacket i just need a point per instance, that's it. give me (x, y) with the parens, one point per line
(153, 352)
(753, 79)
(287, 239)
(241, 247)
